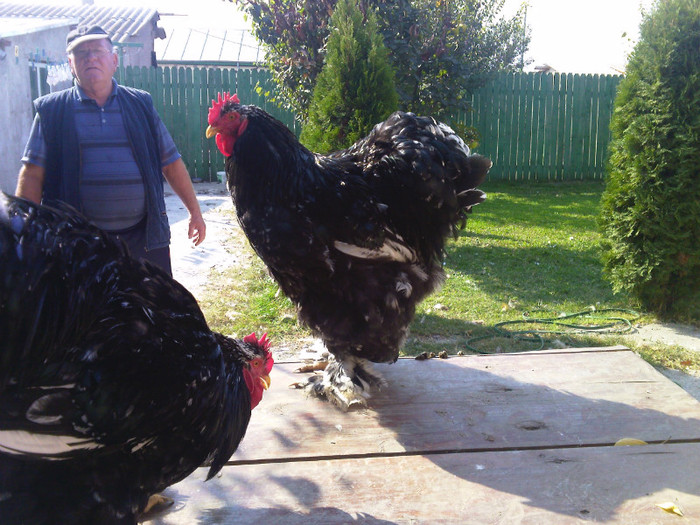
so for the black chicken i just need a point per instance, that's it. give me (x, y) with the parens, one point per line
(356, 238)
(112, 387)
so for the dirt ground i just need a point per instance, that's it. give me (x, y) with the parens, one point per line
(191, 266)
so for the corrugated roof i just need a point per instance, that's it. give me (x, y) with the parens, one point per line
(219, 33)
(186, 44)
(120, 22)
(11, 26)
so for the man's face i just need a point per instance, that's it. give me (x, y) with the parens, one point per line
(93, 62)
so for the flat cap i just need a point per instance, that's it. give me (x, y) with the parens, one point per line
(84, 34)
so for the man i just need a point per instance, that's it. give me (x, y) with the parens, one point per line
(103, 149)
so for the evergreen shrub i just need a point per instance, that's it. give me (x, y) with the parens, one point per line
(355, 89)
(650, 209)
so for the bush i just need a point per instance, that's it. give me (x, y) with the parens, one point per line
(355, 88)
(650, 209)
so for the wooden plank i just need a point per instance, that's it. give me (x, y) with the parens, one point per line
(519, 128)
(562, 137)
(203, 109)
(550, 145)
(193, 126)
(168, 102)
(488, 122)
(179, 128)
(606, 109)
(592, 130)
(539, 172)
(506, 401)
(569, 125)
(581, 124)
(602, 124)
(509, 124)
(528, 138)
(614, 485)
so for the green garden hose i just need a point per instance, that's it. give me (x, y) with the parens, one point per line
(610, 325)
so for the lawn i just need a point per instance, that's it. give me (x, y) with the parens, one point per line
(529, 252)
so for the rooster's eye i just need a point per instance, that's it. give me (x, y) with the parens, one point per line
(256, 363)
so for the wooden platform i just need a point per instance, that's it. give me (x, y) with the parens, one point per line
(504, 439)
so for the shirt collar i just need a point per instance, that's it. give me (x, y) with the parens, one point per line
(83, 97)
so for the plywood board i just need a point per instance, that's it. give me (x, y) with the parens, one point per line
(472, 403)
(507, 439)
(613, 485)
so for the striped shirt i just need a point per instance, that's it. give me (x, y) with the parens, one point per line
(112, 192)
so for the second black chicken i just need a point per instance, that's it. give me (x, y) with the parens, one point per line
(112, 386)
(356, 238)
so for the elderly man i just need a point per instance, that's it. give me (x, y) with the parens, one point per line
(103, 149)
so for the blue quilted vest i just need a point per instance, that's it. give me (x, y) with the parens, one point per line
(62, 178)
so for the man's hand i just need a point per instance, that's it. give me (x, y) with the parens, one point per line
(197, 229)
(179, 179)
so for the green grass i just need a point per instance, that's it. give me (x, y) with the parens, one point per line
(530, 251)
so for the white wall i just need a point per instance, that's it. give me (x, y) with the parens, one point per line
(15, 89)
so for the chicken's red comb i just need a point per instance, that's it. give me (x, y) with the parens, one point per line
(263, 342)
(216, 105)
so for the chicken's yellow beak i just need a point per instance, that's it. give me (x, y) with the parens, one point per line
(266, 381)
(211, 132)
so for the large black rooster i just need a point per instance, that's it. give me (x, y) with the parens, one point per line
(356, 238)
(112, 387)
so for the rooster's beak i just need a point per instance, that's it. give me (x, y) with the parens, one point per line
(266, 381)
(211, 132)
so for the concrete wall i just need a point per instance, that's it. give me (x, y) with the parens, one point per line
(132, 55)
(15, 90)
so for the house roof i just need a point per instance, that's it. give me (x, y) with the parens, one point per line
(120, 22)
(10, 26)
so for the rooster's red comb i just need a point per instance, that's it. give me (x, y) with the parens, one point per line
(263, 342)
(216, 105)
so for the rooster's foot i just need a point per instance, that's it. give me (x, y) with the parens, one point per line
(157, 503)
(347, 383)
(316, 366)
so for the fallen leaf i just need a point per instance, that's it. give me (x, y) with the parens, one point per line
(630, 441)
(670, 507)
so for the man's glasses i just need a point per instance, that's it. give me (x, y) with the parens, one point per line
(99, 52)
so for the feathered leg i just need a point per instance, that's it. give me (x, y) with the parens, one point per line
(346, 382)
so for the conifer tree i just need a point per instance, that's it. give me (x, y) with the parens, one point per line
(650, 210)
(355, 89)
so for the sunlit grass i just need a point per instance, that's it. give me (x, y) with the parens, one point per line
(529, 251)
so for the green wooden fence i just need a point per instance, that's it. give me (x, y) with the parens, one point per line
(544, 127)
(533, 126)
